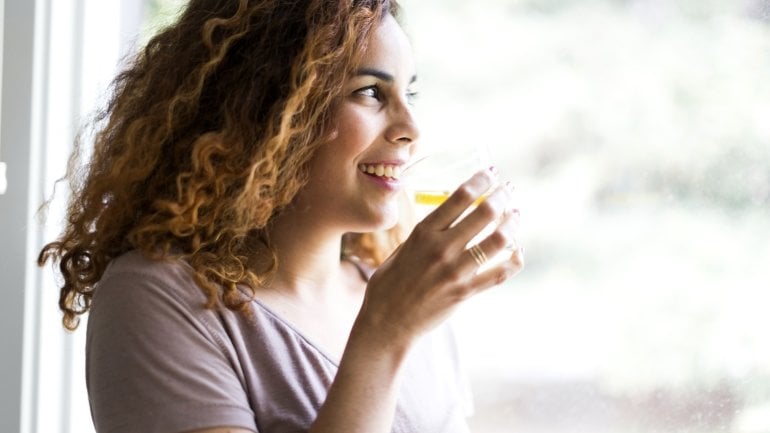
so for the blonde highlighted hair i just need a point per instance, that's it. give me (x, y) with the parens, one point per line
(206, 138)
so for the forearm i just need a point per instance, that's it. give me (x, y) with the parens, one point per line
(363, 397)
(412, 292)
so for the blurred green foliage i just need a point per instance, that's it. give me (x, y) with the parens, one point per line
(159, 13)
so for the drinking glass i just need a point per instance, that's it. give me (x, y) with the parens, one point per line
(435, 175)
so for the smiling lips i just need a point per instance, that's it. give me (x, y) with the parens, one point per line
(382, 170)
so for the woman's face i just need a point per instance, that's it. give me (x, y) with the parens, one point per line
(354, 175)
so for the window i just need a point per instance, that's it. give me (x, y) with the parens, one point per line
(64, 54)
(637, 135)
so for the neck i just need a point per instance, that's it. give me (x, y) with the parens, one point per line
(308, 256)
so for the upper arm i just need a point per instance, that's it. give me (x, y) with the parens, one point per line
(152, 365)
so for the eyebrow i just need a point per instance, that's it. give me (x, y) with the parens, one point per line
(382, 75)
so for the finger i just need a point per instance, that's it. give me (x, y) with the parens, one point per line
(461, 199)
(499, 273)
(499, 242)
(493, 208)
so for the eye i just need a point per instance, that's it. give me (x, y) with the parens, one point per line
(411, 96)
(370, 92)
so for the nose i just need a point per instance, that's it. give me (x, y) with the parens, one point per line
(403, 127)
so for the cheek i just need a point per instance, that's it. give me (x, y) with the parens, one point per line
(351, 134)
(354, 131)
(323, 162)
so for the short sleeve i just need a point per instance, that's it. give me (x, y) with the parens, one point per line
(155, 360)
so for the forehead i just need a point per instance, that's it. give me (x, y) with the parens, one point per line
(389, 48)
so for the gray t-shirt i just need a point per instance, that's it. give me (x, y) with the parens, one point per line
(157, 361)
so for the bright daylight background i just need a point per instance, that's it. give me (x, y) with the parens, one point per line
(637, 133)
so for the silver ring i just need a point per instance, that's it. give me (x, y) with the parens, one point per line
(478, 255)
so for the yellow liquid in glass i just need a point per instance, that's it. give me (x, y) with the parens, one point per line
(430, 198)
(436, 198)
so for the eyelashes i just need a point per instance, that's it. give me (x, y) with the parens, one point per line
(412, 96)
(373, 91)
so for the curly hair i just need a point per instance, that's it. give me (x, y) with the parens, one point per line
(206, 138)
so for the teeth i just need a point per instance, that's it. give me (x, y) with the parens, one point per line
(382, 170)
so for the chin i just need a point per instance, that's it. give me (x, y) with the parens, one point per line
(379, 222)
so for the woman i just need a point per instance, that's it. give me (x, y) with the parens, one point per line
(243, 188)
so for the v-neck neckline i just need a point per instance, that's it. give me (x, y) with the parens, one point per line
(294, 330)
(364, 271)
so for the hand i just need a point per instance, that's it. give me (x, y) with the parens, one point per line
(433, 271)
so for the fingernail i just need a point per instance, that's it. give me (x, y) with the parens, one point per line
(493, 176)
(510, 212)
